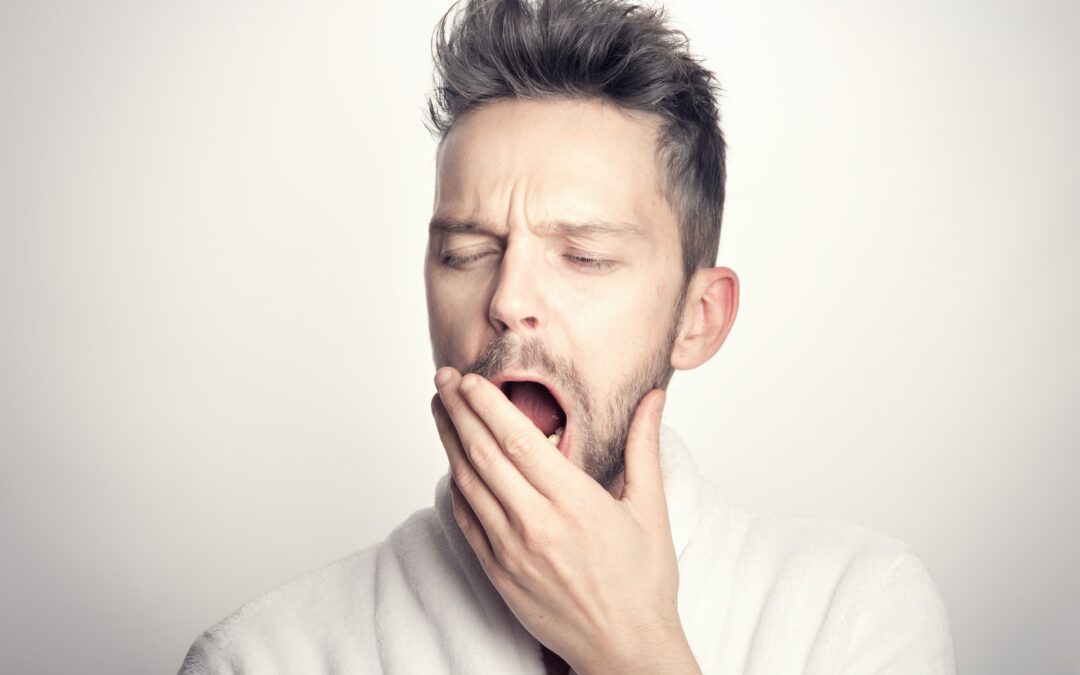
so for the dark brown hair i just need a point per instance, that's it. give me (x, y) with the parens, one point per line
(625, 53)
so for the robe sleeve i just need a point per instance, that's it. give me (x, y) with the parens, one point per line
(899, 625)
(205, 657)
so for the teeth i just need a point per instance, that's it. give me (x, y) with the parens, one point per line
(556, 437)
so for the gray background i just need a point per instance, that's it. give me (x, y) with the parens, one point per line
(214, 367)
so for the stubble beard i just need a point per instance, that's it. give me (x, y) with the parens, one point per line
(602, 438)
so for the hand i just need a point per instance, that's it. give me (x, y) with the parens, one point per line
(593, 578)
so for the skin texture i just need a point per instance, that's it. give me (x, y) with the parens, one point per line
(590, 572)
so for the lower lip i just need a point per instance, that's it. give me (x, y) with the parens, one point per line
(564, 441)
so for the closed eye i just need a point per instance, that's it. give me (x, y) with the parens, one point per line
(458, 262)
(590, 262)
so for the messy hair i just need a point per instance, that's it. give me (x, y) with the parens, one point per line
(485, 50)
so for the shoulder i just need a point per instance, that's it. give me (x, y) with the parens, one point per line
(286, 629)
(793, 543)
(871, 598)
(827, 550)
(319, 621)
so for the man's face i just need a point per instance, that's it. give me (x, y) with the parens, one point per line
(554, 258)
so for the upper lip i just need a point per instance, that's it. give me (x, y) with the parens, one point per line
(504, 377)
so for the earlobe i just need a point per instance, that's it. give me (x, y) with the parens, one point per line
(709, 309)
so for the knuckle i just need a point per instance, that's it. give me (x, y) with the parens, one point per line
(466, 478)
(510, 561)
(577, 509)
(536, 539)
(483, 453)
(519, 442)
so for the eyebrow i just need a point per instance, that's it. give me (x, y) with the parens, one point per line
(458, 226)
(583, 229)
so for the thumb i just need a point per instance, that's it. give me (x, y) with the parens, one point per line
(642, 480)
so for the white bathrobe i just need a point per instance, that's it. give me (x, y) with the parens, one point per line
(760, 595)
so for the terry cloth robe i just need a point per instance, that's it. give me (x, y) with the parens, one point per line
(758, 595)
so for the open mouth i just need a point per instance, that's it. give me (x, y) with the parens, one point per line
(540, 406)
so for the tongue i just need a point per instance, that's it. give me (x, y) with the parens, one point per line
(538, 404)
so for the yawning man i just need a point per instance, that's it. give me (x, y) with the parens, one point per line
(570, 270)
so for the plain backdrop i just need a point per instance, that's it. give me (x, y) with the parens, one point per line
(214, 362)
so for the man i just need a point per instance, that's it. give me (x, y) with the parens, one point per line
(570, 270)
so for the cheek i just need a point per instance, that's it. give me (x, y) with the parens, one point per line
(613, 339)
(622, 329)
(457, 321)
(442, 307)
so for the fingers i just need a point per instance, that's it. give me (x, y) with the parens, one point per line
(541, 463)
(643, 480)
(470, 526)
(485, 457)
(464, 476)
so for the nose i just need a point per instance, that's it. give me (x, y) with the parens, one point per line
(517, 305)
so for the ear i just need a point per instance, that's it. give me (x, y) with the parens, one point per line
(708, 311)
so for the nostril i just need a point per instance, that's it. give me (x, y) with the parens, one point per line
(530, 321)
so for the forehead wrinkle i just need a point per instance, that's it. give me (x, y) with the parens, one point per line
(548, 188)
(594, 228)
(586, 228)
(512, 202)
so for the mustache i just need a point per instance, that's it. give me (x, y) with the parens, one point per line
(508, 351)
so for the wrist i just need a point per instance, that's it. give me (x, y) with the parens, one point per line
(664, 654)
